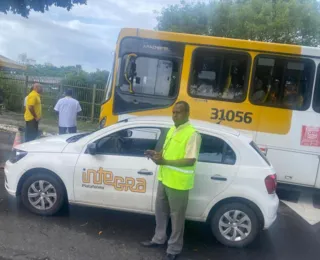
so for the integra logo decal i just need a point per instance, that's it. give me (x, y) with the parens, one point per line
(93, 179)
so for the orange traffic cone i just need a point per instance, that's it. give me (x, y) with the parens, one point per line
(17, 139)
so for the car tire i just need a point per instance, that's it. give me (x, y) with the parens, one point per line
(45, 202)
(229, 218)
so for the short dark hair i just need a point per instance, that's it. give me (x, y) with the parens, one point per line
(69, 92)
(185, 105)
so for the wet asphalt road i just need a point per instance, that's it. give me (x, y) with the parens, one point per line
(80, 233)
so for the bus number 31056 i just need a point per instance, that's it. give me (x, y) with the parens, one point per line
(231, 116)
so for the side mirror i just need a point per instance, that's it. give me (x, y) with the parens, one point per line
(130, 70)
(92, 148)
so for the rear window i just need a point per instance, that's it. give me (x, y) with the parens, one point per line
(257, 149)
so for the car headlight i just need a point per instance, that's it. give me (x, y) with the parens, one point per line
(103, 122)
(17, 155)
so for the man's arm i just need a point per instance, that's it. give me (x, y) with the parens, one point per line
(192, 151)
(31, 103)
(180, 163)
(57, 108)
(33, 113)
(79, 109)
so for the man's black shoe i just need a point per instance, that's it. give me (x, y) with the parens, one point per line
(150, 244)
(171, 257)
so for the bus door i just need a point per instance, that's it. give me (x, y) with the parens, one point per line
(287, 121)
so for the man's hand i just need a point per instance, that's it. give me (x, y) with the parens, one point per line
(149, 153)
(157, 158)
(37, 119)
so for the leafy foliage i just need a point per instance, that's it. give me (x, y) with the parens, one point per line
(283, 21)
(74, 74)
(11, 93)
(23, 7)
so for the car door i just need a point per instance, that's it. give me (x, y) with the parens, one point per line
(215, 171)
(119, 175)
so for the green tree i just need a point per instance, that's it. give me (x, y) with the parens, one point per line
(23, 7)
(283, 21)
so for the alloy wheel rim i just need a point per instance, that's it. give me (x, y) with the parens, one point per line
(42, 195)
(235, 225)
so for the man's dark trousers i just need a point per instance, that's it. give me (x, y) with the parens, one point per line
(32, 128)
(71, 130)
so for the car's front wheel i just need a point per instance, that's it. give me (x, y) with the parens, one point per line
(235, 224)
(43, 194)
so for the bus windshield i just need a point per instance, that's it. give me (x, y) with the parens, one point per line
(148, 74)
(151, 76)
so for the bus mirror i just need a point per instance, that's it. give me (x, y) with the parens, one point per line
(131, 66)
(130, 69)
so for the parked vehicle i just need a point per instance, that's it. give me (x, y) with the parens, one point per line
(269, 90)
(234, 185)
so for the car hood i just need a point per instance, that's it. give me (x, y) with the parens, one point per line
(52, 144)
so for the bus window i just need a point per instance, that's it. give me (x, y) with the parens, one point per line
(149, 76)
(282, 82)
(219, 74)
(316, 98)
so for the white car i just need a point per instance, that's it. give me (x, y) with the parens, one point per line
(234, 184)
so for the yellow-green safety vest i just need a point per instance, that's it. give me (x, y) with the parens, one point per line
(179, 178)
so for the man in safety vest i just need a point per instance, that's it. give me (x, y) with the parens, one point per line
(177, 162)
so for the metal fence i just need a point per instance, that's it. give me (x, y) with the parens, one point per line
(15, 88)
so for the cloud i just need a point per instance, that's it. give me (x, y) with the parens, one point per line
(86, 35)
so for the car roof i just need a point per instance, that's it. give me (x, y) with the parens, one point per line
(196, 123)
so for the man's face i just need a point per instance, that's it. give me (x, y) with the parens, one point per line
(179, 115)
(39, 89)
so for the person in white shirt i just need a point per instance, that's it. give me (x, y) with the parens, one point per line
(67, 108)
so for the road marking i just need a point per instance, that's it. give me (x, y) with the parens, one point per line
(304, 207)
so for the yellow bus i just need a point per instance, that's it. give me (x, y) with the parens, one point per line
(270, 91)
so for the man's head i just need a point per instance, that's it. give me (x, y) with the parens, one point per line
(180, 113)
(38, 88)
(69, 92)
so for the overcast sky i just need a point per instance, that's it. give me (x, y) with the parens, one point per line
(86, 35)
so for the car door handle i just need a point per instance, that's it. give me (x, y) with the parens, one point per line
(218, 178)
(145, 172)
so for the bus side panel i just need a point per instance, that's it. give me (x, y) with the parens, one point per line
(292, 155)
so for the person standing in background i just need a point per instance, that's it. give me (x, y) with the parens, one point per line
(67, 109)
(33, 112)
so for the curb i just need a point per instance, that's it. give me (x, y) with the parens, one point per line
(15, 129)
(9, 128)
